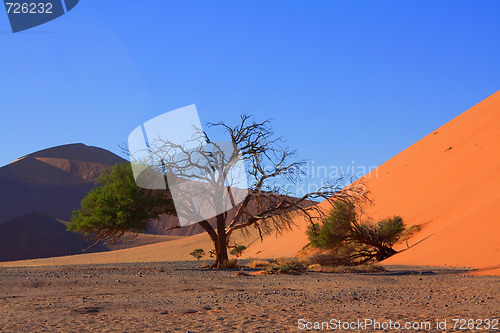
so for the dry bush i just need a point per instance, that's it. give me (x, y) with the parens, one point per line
(257, 263)
(304, 260)
(229, 264)
(285, 261)
(315, 268)
(331, 259)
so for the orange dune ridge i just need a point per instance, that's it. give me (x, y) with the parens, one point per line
(164, 251)
(447, 182)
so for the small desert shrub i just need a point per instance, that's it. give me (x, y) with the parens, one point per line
(285, 266)
(258, 263)
(237, 250)
(230, 264)
(198, 253)
(291, 268)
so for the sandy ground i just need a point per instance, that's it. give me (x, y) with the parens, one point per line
(180, 297)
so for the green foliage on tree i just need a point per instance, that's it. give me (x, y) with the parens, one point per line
(118, 205)
(336, 228)
(352, 241)
(238, 250)
(198, 253)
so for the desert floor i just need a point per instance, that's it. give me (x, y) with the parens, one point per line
(180, 297)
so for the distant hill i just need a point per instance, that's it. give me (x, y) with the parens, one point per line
(51, 181)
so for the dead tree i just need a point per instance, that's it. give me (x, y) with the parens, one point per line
(205, 171)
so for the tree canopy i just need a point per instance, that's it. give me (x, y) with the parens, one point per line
(118, 205)
(356, 241)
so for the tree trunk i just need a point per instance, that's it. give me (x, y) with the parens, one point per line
(219, 239)
(384, 252)
(221, 246)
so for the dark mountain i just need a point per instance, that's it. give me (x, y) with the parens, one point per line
(51, 181)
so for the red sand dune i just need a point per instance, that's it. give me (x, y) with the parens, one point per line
(447, 182)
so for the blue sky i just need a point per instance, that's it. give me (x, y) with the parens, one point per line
(344, 81)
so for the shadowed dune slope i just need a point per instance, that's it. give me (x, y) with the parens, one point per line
(39, 236)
